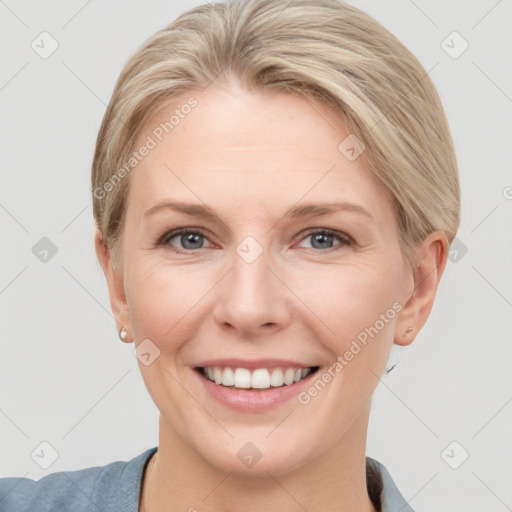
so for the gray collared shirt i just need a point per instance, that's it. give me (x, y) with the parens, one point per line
(116, 488)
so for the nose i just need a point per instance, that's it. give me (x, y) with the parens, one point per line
(252, 300)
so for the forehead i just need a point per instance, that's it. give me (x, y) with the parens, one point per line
(249, 145)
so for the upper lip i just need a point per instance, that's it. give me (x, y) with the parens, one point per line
(251, 363)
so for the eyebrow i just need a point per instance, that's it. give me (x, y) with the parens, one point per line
(306, 210)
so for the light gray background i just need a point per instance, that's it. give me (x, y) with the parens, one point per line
(66, 378)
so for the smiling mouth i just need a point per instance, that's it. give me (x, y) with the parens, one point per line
(258, 379)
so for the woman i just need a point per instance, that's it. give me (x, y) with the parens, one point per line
(275, 190)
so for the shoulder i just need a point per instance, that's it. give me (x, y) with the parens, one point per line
(115, 486)
(391, 498)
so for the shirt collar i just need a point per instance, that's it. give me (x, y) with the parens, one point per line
(392, 499)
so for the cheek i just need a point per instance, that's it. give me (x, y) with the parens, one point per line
(163, 298)
(353, 302)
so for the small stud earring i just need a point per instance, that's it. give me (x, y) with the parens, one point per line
(408, 330)
(123, 334)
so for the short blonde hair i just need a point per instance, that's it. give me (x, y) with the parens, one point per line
(324, 50)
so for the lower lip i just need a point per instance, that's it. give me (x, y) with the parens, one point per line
(248, 401)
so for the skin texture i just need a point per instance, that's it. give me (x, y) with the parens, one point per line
(250, 156)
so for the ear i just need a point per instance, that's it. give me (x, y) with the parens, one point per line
(115, 284)
(418, 299)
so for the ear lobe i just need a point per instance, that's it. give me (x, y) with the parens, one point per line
(115, 283)
(432, 255)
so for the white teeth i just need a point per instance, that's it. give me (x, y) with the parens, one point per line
(289, 374)
(217, 373)
(228, 378)
(261, 378)
(242, 378)
(276, 378)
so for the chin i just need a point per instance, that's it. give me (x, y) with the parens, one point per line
(243, 457)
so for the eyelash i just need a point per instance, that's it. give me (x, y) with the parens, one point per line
(346, 240)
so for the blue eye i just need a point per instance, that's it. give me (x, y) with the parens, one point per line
(326, 236)
(188, 237)
(192, 239)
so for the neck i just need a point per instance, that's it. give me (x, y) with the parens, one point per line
(178, 478)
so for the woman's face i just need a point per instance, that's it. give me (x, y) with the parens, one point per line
(256, 283)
